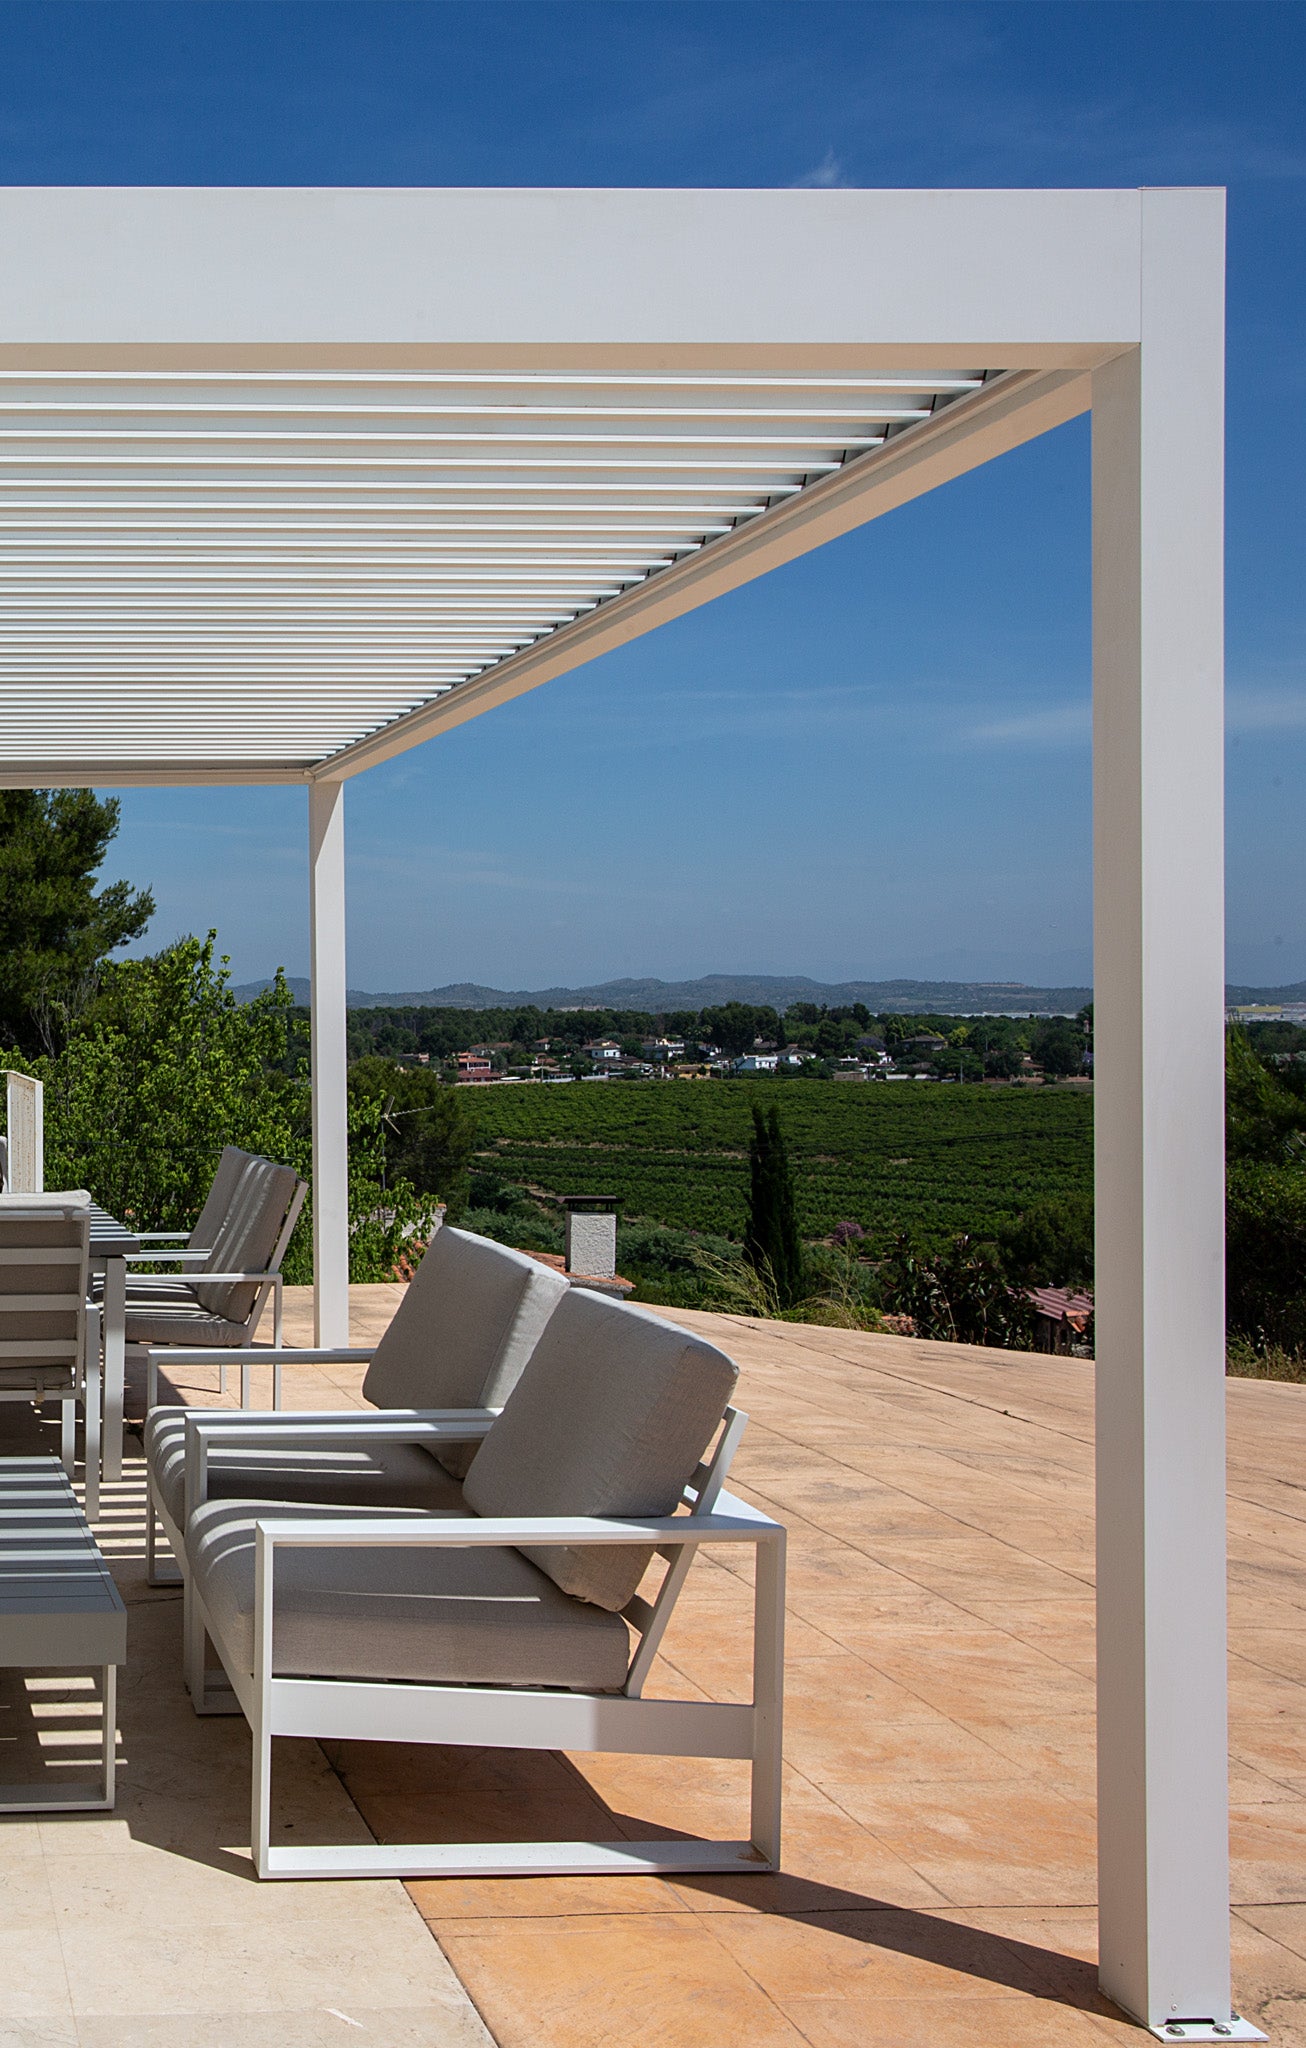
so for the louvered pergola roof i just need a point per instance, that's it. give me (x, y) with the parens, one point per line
(271, 566)
(291, 479)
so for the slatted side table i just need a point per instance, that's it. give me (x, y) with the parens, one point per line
(58, 1607)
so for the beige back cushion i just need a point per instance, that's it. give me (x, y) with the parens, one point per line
(469, 1320)
(246, 1238)
(218, 1201)
(610, 1417)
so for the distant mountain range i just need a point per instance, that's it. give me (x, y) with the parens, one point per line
(779, 990)
(960, 998)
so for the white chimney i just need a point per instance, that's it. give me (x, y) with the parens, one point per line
(592, 1236)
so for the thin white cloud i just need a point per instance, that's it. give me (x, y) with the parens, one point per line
(1052, 725)
(1265, 710)
(823, 176)
(1248, 710)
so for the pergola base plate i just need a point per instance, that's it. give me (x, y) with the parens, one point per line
(1232, 2029)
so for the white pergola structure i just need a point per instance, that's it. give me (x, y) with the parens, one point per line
(291, 481)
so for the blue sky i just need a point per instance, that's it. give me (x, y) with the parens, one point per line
(874, 762)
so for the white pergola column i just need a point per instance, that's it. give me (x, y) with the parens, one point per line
(326, 838)
(1159, 989)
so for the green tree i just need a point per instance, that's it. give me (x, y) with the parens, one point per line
(734, 1026)
(56, 929)
(771, 1242)
(1050, 1244)
(1059, 1046)
(429, 1131)
(1265, 1133)
(163, 1067)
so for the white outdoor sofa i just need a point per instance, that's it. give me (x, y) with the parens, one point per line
(467, 1323)
(515, 1621)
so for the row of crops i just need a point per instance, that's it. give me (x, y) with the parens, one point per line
(931, 1159)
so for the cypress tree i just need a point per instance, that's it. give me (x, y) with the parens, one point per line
(771, 1242)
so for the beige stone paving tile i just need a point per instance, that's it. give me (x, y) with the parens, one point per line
(228, 1967)
(845, 1689)
(145, 1887)
(1269, 1984)
(847, 1762)
(539, 1898)
(20, 1839)
(1065, 1629)
(1252, 1611)
(50, 2031)
(1260, 1693)
(962, 1568)
(1249, 1786)
(970, 2022)
(402, 1770)
(428, 1817)
(1285, 1924)
(25, 1899)
(638, 1980)
(1272, 1748)
(1267, 1848)
(33, 1980)
(829, 1862)
(853, 1615)
(872, 1955)
(981, 1675)
(1059, 1753)
(986, 1844)
(706, 1797)
(425, 2026)
(1274, 1536)
(1280, 1650)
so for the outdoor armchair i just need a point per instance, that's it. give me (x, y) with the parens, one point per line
(466, 1325)
(49, 1329)
(218, 1306)
(518, 1622)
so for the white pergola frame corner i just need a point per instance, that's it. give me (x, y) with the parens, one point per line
(293, 481)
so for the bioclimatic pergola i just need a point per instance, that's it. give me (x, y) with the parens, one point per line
(291, 481)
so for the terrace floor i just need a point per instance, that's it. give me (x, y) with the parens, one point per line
(938, 1883)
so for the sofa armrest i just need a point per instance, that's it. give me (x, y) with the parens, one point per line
(739, 1523)
(207, 1429)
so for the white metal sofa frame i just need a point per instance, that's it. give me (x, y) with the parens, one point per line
(518, 1718)
(72, 1361)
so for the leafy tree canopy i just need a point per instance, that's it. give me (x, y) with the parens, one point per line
(429, 1132)
(56, 928)
(162, 1067)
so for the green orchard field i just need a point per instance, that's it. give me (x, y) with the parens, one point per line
(904, 1155)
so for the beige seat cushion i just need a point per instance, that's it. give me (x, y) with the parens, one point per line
(168, 1322)
(468, 1321)
(610, 1417)
(385, 1475)
(472, 1617)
